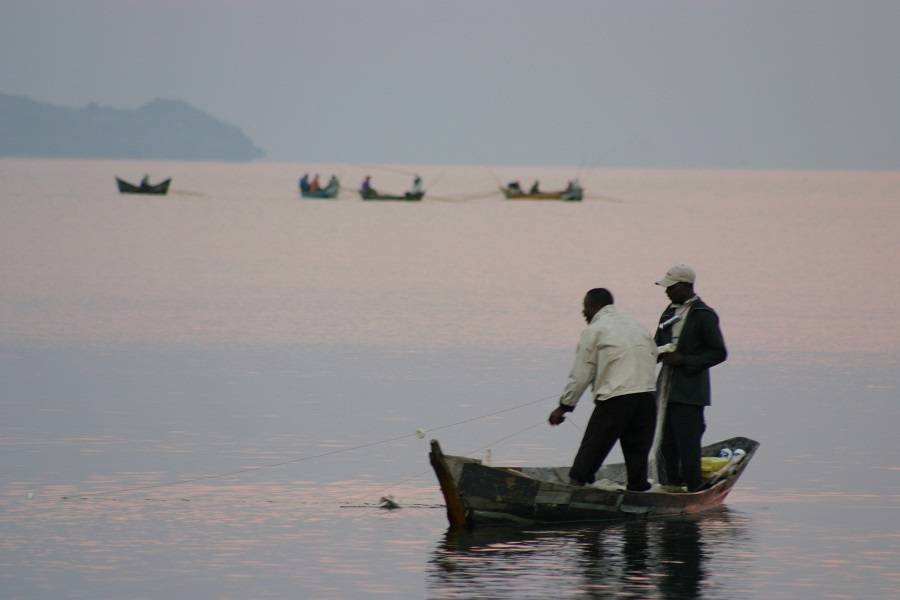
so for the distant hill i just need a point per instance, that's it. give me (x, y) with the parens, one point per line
(161, 129)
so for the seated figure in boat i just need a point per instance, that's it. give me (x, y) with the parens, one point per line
(314, 185)
(416, 187)
(145, 182)
(304, 182)
(573, 188)
(366, 187)
(332, 181)
(535, 188)
(514, 186)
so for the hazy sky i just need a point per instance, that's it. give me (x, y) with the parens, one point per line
(787, 84)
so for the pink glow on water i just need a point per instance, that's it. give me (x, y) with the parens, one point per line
(793, 261)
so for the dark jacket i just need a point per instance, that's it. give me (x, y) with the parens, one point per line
(701, 345)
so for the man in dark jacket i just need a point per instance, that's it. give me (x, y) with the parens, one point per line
(690, 343)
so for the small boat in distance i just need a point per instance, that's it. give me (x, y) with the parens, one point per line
(367, 192)
(409, 196)
(478, 493)
(312, 190)
(145, 187)
(572, 193)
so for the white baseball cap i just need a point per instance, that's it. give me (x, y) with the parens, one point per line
(678, 274)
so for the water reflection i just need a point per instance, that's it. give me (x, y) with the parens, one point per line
(682, 550)
(664, 558)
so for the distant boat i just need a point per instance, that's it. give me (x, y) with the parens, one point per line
(572, 193)
(478, 493)
(329, 191)
(408, 196)
(145, 187)
(416, 193)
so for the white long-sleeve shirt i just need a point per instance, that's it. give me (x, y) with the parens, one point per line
(616, 356)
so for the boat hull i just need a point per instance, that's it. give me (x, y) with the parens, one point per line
(475, 493)
(330, 191)
(572, 196)
(161, 188)
(408, 197)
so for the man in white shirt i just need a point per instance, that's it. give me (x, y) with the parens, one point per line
(616, 356)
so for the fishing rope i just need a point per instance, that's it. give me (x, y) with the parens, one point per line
(493, 175)
(572, 422)
(465, 197)
(469, 453)
(504, 438)
(493, 414)
(434, 181)
(305, 458)
(244, 470)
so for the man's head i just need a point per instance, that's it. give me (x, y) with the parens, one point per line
(679, 283)
(594, 300)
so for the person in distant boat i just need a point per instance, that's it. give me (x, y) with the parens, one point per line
(332, 181)
(572, 187)
(514, 186)
(314, 185)
(535, 188)
(690, 343)
(304, 182)
(145, 181)
(366, 187)
(416, 187)
(616, 356)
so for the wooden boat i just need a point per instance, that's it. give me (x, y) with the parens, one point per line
(408, 196)
(512, 193)
(476, 493)
(145, 187)
(329, 191)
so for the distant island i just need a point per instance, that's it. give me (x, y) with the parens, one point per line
(159, 130)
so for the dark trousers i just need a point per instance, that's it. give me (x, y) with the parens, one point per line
(680, 447)
(630, 419)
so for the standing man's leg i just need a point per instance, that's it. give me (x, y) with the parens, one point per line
(603, 430)
(688, 427)
(637, 439)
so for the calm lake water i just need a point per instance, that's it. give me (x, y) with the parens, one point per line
(206, 394)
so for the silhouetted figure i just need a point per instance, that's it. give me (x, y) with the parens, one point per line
(366, 187)
(691, 328)
(416, 187)
(616, 358)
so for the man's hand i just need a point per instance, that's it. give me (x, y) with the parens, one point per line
(557, 416)
(672, 359)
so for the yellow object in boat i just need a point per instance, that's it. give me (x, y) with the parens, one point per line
(711, 464)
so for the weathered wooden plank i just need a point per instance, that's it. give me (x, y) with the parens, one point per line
(456, 512)
(548, 495)
(500, 485)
